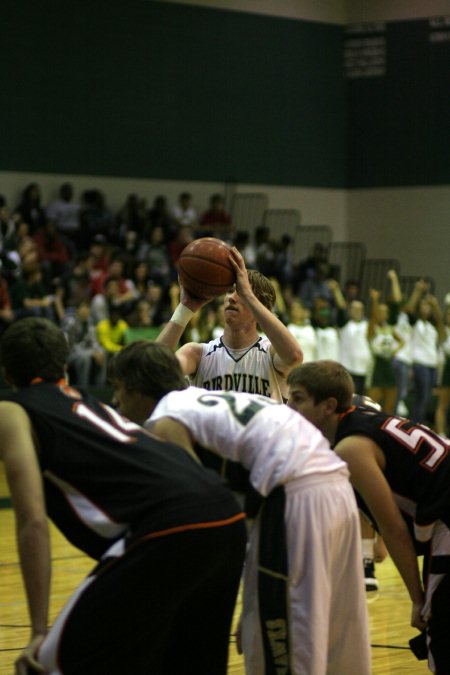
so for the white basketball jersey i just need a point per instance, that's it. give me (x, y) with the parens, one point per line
(250, 369)
(273, 442)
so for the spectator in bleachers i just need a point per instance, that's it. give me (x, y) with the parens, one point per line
(30, 208)
(184, 212)
(6, 312)
(326, 330)
(385, 342)
(7, 224)
(300, 327)
(160, 216)
(354, 348)
(112, 292)
(65, 213)
(102, 301)
(139, 279)
(402, 363)
(427, 330)
(155, 253)
(87, 359)
(351, 290)
(13, 240)
(77, 282)
(354, 352)
(284, 260)
(317, 285)
(99, 255)
(216, 222)
(132, 216)
(306, 268)
(115, 270)
(111, 331)
(265, 252)
(245, 247)
(443, 390)
(96, 218)
(53, 253)
(30, 297)
(146, 313)
(182, 239)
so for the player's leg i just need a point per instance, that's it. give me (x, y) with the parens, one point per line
(437, 601)
(122, 618)
(349, 642)
(101, 628)
(442, 405)
(198, 642)
(368, 537)
(328, 610)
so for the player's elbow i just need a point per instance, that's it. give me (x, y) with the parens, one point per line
(296, 358)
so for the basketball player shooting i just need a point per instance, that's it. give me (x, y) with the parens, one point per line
(241, 359)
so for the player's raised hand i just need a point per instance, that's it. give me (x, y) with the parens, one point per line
(191, 301)
(243, 286)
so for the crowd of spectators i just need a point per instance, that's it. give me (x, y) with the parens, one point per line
(110, 277)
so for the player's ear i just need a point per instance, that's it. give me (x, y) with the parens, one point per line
(331, 405)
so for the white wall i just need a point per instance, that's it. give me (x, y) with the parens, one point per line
(409, 224)
(329, 11)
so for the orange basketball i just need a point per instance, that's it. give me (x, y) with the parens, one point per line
(205, 269)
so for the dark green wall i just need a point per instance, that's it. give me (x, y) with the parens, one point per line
(399, 124)
(155, 90)
(148, 89)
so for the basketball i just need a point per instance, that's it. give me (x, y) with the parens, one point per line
(205, 269)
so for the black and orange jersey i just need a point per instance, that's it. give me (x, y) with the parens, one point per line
(417, 462)
(106, 477)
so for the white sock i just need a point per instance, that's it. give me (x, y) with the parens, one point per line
(367, 549)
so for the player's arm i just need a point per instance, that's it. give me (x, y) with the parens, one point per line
(285, 348)
(374, 305)
(23, 475)
(364, 459)
(175, 432)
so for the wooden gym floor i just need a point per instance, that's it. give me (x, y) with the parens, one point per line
(389, 608)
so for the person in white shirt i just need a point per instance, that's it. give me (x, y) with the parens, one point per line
(301, 328)
(354, 352)
(327, 334)
(241, 359)
(428, 330)
(304, 606)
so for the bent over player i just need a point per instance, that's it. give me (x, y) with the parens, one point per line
(401, 470)
(304, 601)
(168, 536)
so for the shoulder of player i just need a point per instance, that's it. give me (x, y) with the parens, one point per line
(359, 450)
(11, 413)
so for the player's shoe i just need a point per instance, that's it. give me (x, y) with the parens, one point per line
(369, 575)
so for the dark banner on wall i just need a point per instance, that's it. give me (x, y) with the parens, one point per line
(398, 94)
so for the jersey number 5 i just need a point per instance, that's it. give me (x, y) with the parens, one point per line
(414, 438)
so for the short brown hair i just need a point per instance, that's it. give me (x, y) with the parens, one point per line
(324, 379)
(150, 368)
(263, 288)
(33, 347)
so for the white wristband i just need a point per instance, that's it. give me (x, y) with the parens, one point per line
(182, 315)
